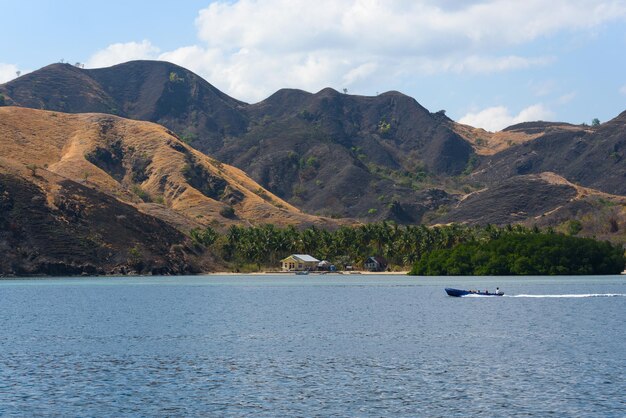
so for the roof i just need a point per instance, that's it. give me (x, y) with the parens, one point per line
(304, 257)
(378, 259)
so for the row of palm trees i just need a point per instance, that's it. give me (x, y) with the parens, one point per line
(402, 246)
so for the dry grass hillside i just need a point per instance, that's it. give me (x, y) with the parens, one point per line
(139, 163)
(330, 154)
(490, 143)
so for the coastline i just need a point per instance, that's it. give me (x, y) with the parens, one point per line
(313, 273)
(218, 273)
(230, 273)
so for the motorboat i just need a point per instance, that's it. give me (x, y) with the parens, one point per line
(459, 292)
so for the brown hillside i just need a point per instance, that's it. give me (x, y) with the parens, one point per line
(139, 163)
(329, 154)
(490, 143)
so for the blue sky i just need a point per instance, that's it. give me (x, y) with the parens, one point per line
(487, 63)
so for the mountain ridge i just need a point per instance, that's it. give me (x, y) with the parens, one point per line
(372, 142)
(340, 155)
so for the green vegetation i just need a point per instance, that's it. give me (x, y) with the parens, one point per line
(309, 162)
(415, 179)
(595, 122)
(451, 249)
(188, 137)
(524, 254)
(574, 227)
(175, 78)
(2, 100)
(204, 237)
(227, 212)
(135, 258)
(471, 164)
(306, 115)
(141, 193)
(384, 127)
(265, 245)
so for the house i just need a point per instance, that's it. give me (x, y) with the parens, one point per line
(326, 265)
(299, 262)
(375, 264)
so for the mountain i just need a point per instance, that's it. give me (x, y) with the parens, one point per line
(593, 157)
(371, 158)
(154, 91)
(548, 174)
(328, 153)
(102, 194)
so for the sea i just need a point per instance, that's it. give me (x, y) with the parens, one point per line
(313, 346)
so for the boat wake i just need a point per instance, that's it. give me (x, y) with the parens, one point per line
(584, 295)
(474, 295)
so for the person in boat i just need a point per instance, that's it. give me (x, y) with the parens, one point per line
(497, 290)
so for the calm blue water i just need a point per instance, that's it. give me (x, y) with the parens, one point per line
(312, 346)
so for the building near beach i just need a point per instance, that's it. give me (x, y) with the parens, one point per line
(299, 262)
(375, 263)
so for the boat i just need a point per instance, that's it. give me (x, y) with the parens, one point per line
(302, 273)
(459, 292)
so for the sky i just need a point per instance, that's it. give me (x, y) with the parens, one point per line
(488, 63)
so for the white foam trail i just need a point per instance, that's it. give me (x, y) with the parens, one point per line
(476, 296)
(586, 295)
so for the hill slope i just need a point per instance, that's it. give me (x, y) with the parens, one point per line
(590, 156)
(107, 184)
(341, 155)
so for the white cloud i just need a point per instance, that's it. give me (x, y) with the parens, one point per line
(250, 48)
(8, 72)
(386, 26)
(498, 117)
(122, 52)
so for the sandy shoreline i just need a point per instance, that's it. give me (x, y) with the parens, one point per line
(312, 273)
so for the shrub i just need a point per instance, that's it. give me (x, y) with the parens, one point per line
(227, 212)
(384, 127)
(174, 78)
(141, 193)
(574, 227)
(135, 258)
